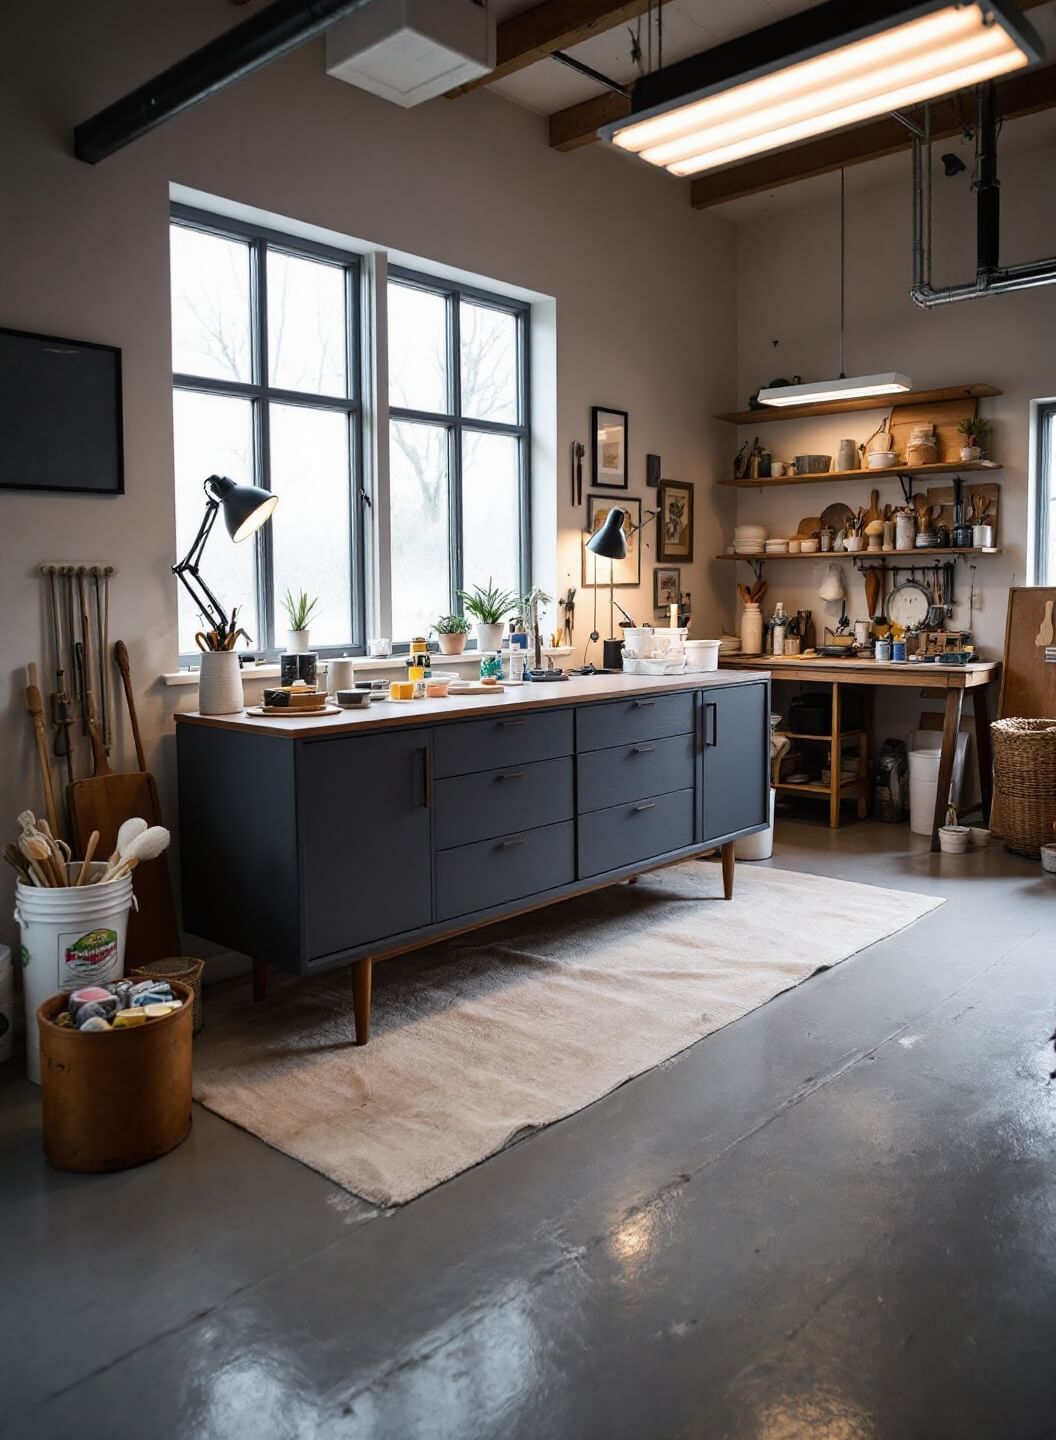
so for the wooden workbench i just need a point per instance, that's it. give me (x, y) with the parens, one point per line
(952, 680)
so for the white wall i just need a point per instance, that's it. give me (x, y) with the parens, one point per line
(643, 287)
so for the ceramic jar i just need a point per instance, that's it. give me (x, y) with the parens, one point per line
(847, 455)
(752, 630)
(905, 530)
(220, 683)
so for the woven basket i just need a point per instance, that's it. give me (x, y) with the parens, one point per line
(1025, 782)
(184, 968)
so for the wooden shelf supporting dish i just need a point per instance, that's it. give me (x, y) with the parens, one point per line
(766, 414)
(860, 784)
(893, 472)
(919, 557)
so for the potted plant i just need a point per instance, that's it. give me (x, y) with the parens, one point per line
(489, 608)
(975, 430)
(452, 631)
(299, 609)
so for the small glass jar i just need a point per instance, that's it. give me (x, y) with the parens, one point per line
(491, 665)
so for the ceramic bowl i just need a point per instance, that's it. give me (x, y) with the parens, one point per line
(812, 464)
(808, 547)
(1048, 858)
(881, 459)
(978, 836)
(793, 547)
(953, 839)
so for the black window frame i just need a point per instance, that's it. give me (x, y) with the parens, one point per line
(1044, 488)
(262, 395)
(457, 424)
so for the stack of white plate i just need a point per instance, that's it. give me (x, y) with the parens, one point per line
(777, 547)
(729, 645)
(749, 539)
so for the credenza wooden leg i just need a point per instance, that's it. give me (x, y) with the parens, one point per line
(727, 869)
(361, 977)
(260, 980)
(632, 880)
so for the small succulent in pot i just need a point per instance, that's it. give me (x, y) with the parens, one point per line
(299, 609)
(975, 430)
(452, 632)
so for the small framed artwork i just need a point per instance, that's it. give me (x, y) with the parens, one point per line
(608, 448)
(667, 586)
(627, 571)
(674, 525)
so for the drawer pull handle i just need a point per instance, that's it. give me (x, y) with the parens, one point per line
(509, 844)
(646, 805)
(511, 722)
(511, 775)
(641, 704)
(642, 749)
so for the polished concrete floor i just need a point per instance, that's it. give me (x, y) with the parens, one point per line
(835, 1219)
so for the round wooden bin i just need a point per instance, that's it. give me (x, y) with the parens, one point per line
(118, 1100)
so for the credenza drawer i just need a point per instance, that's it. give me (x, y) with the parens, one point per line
(495, 872)
(466, 746)
(623, 834)
(635, 772)
(477, 807)
(641, 717)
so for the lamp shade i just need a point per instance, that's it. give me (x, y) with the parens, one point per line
(610, 542)
(246, 507)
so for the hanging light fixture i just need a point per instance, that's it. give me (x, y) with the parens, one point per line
(847, 387)
(826, 69)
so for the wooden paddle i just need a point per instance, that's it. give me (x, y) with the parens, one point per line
(872, 590)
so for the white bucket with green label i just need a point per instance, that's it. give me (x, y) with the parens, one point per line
(72, 936)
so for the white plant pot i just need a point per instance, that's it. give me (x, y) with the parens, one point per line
(970, 452)
(489, 637)
(220, 683)
(453, 643)
(298, 642)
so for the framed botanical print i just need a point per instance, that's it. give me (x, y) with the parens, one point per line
(667, 586)
(608, 448)
(674, 524)
(627, 571)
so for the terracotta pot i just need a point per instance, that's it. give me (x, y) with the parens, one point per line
(452, 644)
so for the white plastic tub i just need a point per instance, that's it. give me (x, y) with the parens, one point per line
(71, 936)
(924, 777)
(702, 655)
(761, 845)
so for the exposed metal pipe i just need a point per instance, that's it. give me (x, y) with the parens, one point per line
(991, 278)
(589, 72)
(283, 26)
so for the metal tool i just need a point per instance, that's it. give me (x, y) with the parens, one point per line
(580, 452)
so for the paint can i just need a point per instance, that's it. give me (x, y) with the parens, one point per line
(898, 650)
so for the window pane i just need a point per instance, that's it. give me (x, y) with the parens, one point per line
(213, 435)
(210, 305)
(421, 587)
(417, 349)
(306, 325)
(489, 363)
(490, 521)
(311, 540)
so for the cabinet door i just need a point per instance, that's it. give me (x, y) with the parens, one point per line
(736, 758)
(364, 814)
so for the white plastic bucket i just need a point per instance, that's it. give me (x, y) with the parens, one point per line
(702, 655)
(924, 777)
(72, 936)
(761, 845)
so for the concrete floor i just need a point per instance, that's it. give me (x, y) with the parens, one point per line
(835, 1219)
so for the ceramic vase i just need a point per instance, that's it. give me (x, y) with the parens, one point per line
(752, 630)
(220, 683)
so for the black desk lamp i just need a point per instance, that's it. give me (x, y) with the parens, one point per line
(246, 508)
(610, 543)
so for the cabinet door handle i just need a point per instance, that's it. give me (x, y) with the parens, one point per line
(511, 775)
(509, 844)
(427, 778)
(712, 709)
(646, 805)
(641, 704)
(642, 749)
(511, 722)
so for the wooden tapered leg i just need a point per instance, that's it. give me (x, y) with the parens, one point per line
(361, 978)
(728, 862)
(835, 759)
(260, 980)
(950, 730)
(981, 701)
(632, 880)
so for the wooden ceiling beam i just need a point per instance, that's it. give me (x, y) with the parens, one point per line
(578, 124)
(553, 25)
(1023, 94)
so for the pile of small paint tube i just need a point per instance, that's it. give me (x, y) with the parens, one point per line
(118, 1005)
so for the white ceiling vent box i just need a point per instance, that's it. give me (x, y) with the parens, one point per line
(408, 51)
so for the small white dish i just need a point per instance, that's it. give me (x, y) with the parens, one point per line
(881, 459)
(978, 836)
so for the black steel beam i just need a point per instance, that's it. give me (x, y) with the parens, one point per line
(274, 31)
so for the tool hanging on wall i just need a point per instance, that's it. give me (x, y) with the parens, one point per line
(61, 709)
(568, 606)
(35, 706)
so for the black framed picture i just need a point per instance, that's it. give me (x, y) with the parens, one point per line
(60, 415)
(608, 448)
(595, 568)
(674, 524)
(667, 586)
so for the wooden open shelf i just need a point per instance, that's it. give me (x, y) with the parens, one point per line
(809, 787)
(822, 477)
(767, 414)
(816, 555)
(826, 739)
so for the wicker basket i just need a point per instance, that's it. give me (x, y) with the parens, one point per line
(1025, 782)
(184, 968)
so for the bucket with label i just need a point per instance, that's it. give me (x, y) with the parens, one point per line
(72, 936)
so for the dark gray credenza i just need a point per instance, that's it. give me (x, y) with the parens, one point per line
(312, 851)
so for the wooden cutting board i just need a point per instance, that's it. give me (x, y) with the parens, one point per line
(945, 415)
(1028, 682)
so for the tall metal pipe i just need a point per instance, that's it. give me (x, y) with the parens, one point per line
(987, 188)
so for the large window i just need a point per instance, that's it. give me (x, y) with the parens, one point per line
(1045, 495)
(458, 446)
(265, 347)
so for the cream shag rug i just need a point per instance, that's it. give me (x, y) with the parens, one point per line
(480, 1040)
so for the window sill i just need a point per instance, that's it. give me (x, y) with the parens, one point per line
(361, 662)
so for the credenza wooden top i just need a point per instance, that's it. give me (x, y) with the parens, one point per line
(868, 672)
(385, 714)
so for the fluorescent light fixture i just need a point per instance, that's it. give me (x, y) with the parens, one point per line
(851, 387)
(815, 72)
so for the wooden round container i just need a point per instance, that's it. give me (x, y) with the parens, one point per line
(118, 1100)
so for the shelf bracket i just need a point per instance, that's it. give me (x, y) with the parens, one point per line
(906, 481)
(757, 566)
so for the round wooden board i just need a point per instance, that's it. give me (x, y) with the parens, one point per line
(286, 712)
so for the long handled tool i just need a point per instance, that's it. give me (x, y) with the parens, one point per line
(61, 719)
(121, 657)
(35, 706)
